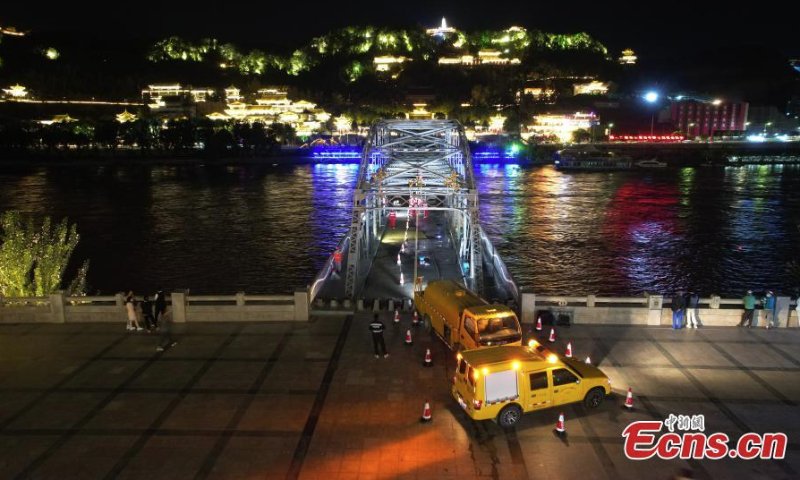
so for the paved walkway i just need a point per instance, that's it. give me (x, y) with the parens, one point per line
(282, 400)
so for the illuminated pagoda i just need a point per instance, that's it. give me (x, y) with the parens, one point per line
(441, 31)
(628, 57)
(16, 92)
(126, 117)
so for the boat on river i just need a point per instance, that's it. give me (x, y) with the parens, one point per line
(590, 158)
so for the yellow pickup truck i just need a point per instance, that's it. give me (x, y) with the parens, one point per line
(463, 319)
(501, 383)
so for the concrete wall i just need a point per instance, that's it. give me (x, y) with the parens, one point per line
(58, 308)
(649, 310)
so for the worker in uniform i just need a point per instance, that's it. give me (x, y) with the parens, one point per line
(392, 219)
(377, 328)
(337, 260)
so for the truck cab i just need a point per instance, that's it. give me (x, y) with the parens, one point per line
(502, 383)
(462, 319)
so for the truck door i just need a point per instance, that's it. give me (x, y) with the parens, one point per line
(468, 332)
(539, 395)
(566, 387)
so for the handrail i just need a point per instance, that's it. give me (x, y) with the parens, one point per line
(324, 273)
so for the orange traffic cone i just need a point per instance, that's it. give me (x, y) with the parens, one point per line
(396, 316)
(560, 428)
(629, 400)
(428, 362)
(539, 324)
(426, 412)
(588, 361)
(398, 260)
(569, 350)
(415, 320)
(408, 338)
(552, 334)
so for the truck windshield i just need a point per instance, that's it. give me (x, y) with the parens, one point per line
(498, 328)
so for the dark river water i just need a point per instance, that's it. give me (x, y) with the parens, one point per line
(263, 229)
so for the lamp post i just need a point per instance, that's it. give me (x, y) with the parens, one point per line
(651, 97)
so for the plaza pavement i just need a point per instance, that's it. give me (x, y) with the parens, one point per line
(309, 400)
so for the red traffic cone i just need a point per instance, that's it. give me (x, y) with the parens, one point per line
(552, 334)
(560, 428)
(396, 316)
(629, 399)
(428, 362)
(569, 350)
(426, 412)
(539, 324)
(408, 338)
(588, 361)
(415, 320)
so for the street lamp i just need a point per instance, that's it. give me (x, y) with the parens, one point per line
(651, 97)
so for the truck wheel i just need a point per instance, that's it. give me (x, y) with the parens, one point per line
(509, 416)
(594, 398)
(426, 322)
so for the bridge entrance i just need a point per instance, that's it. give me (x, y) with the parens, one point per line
(419, 175)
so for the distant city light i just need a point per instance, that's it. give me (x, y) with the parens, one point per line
(651, 97)
(716, 101)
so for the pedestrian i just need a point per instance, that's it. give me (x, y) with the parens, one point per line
(167, 340)
(337, 260)
(768, 302)
(692, 310)
(377, 328)
(677, 311)
(749, 305)
(392, 219)
(133, 324)
(147, 313)
(161, 305)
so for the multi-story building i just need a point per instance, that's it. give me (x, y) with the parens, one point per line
(698, 117)
(590, 88)
(628, 57)
(560, 126)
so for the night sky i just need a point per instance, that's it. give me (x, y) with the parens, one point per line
(656, 28)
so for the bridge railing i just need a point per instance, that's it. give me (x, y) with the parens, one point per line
(501, 273)
(645, 310)
(60, 308)
(324, 273)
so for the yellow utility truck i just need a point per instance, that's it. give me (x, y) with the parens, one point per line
(502, 383)
(463, 319)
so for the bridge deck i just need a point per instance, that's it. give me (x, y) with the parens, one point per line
(435, 246)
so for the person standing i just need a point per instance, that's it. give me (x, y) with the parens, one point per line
(133, 324)
(377, 328)
(677, 311)
(749, 306)
(692, 310)
(161, 305)
(768, 302)
(147, 313)
(166, 341)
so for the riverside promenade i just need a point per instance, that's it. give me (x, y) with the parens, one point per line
(288, 400)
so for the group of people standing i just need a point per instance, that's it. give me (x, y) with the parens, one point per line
(685, 306)
(685, 310)
(767, 305)
(155, 314)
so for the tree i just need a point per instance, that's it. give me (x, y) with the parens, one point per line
(33, 261)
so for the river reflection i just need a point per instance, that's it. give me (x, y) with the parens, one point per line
(218, 229)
